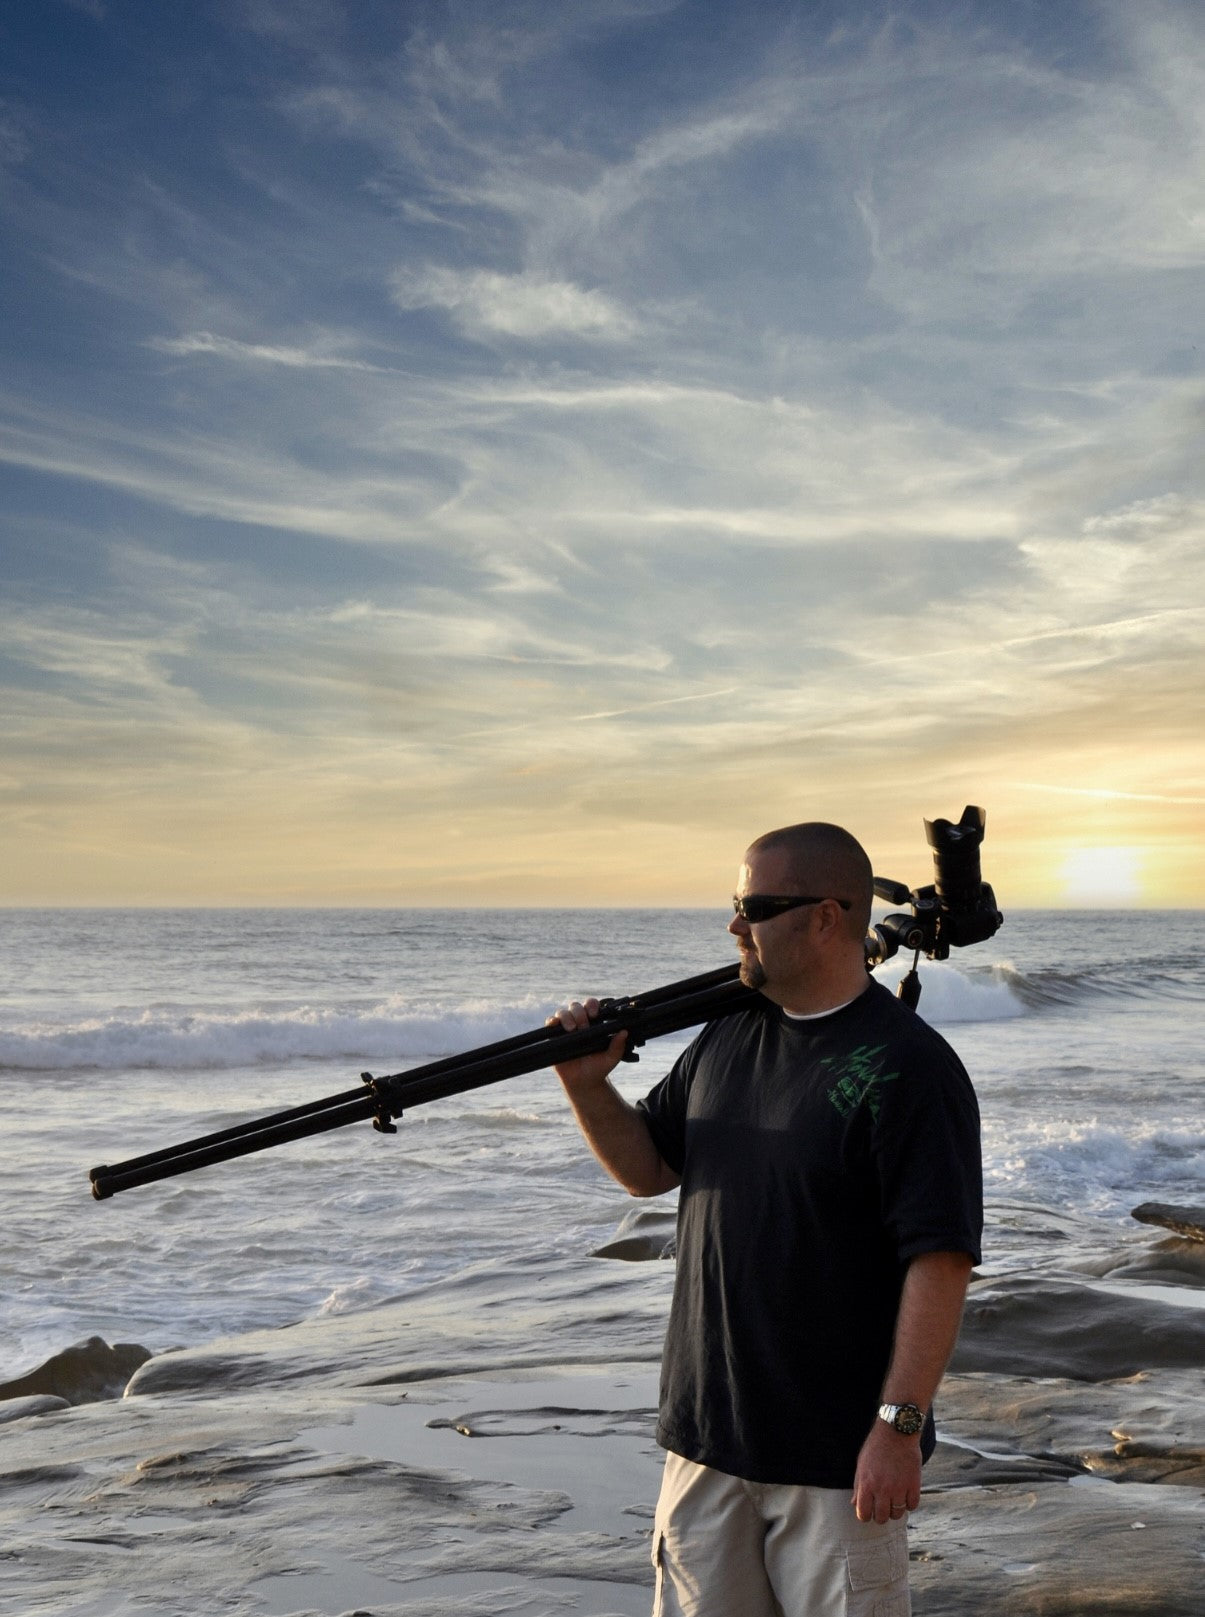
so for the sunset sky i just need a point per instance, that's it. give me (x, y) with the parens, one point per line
(494, 453)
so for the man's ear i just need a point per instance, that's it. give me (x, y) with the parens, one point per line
(832, 920)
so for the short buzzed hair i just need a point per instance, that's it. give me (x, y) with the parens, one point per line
(828, 860)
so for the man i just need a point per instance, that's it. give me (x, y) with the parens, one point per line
(827, 1148)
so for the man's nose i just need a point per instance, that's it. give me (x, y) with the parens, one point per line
(738, 926)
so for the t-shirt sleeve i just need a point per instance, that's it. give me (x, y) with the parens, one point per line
(664, 1107)
(927, 1154)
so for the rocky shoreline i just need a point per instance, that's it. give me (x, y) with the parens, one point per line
(485, 1447)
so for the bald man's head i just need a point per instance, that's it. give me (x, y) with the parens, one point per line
(826, 860)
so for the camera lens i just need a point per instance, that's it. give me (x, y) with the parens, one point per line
(956, 859)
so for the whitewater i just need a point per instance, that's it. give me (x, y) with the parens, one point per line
(124, 1031)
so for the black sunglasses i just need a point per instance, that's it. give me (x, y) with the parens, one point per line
(755, 907)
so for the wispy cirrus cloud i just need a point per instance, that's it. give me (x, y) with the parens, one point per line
(560, 418)
(485, 303)
(205, 342)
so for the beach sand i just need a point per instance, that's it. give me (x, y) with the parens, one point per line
(485, 1447)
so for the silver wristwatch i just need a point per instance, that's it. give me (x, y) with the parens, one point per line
(907, 1419)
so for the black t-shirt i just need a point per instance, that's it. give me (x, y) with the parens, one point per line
(817, 1158)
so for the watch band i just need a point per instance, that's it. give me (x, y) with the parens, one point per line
(907, 1419)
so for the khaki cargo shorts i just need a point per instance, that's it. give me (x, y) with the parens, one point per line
(723, 1547)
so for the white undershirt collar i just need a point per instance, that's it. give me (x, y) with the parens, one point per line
(814, 1016)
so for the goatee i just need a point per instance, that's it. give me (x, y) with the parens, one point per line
(752, 972)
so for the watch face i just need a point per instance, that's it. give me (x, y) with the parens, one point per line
(908, 1420)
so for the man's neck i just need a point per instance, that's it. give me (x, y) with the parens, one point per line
(818, 999)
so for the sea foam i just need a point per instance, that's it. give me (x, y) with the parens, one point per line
(173, 1039)
(176, 1040)
(1093, 1163)
(949, 995)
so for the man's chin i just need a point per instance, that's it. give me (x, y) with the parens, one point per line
(752, 973)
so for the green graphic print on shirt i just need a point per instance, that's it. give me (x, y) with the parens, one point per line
(859, 1079)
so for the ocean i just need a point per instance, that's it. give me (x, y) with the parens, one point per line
(123, 1031)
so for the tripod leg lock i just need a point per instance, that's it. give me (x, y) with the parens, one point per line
(383, 1120)
(627, 1006)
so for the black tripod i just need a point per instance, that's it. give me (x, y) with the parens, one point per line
(645, 1016)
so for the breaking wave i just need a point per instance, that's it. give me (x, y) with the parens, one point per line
(987, 992)
(174, 1039)
(951, 995)
(1095, 1164)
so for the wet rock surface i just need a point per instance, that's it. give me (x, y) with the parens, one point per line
(20, 1408)
(81, 1374)
(1186, 1221)
(1142, 1428)
(1174, 1261)
(1041, 1325)
(472, 1450)
(646, 1232)
(1058, 1550)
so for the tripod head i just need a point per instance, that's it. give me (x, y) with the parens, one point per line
(959, 907)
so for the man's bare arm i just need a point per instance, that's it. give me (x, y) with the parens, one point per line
(887, 1480)
(615, 1131)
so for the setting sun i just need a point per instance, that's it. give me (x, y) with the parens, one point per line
(1103, 876)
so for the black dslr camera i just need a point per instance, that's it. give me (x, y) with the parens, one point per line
(959, 908)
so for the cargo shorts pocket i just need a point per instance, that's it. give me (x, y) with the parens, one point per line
(878, 1578)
